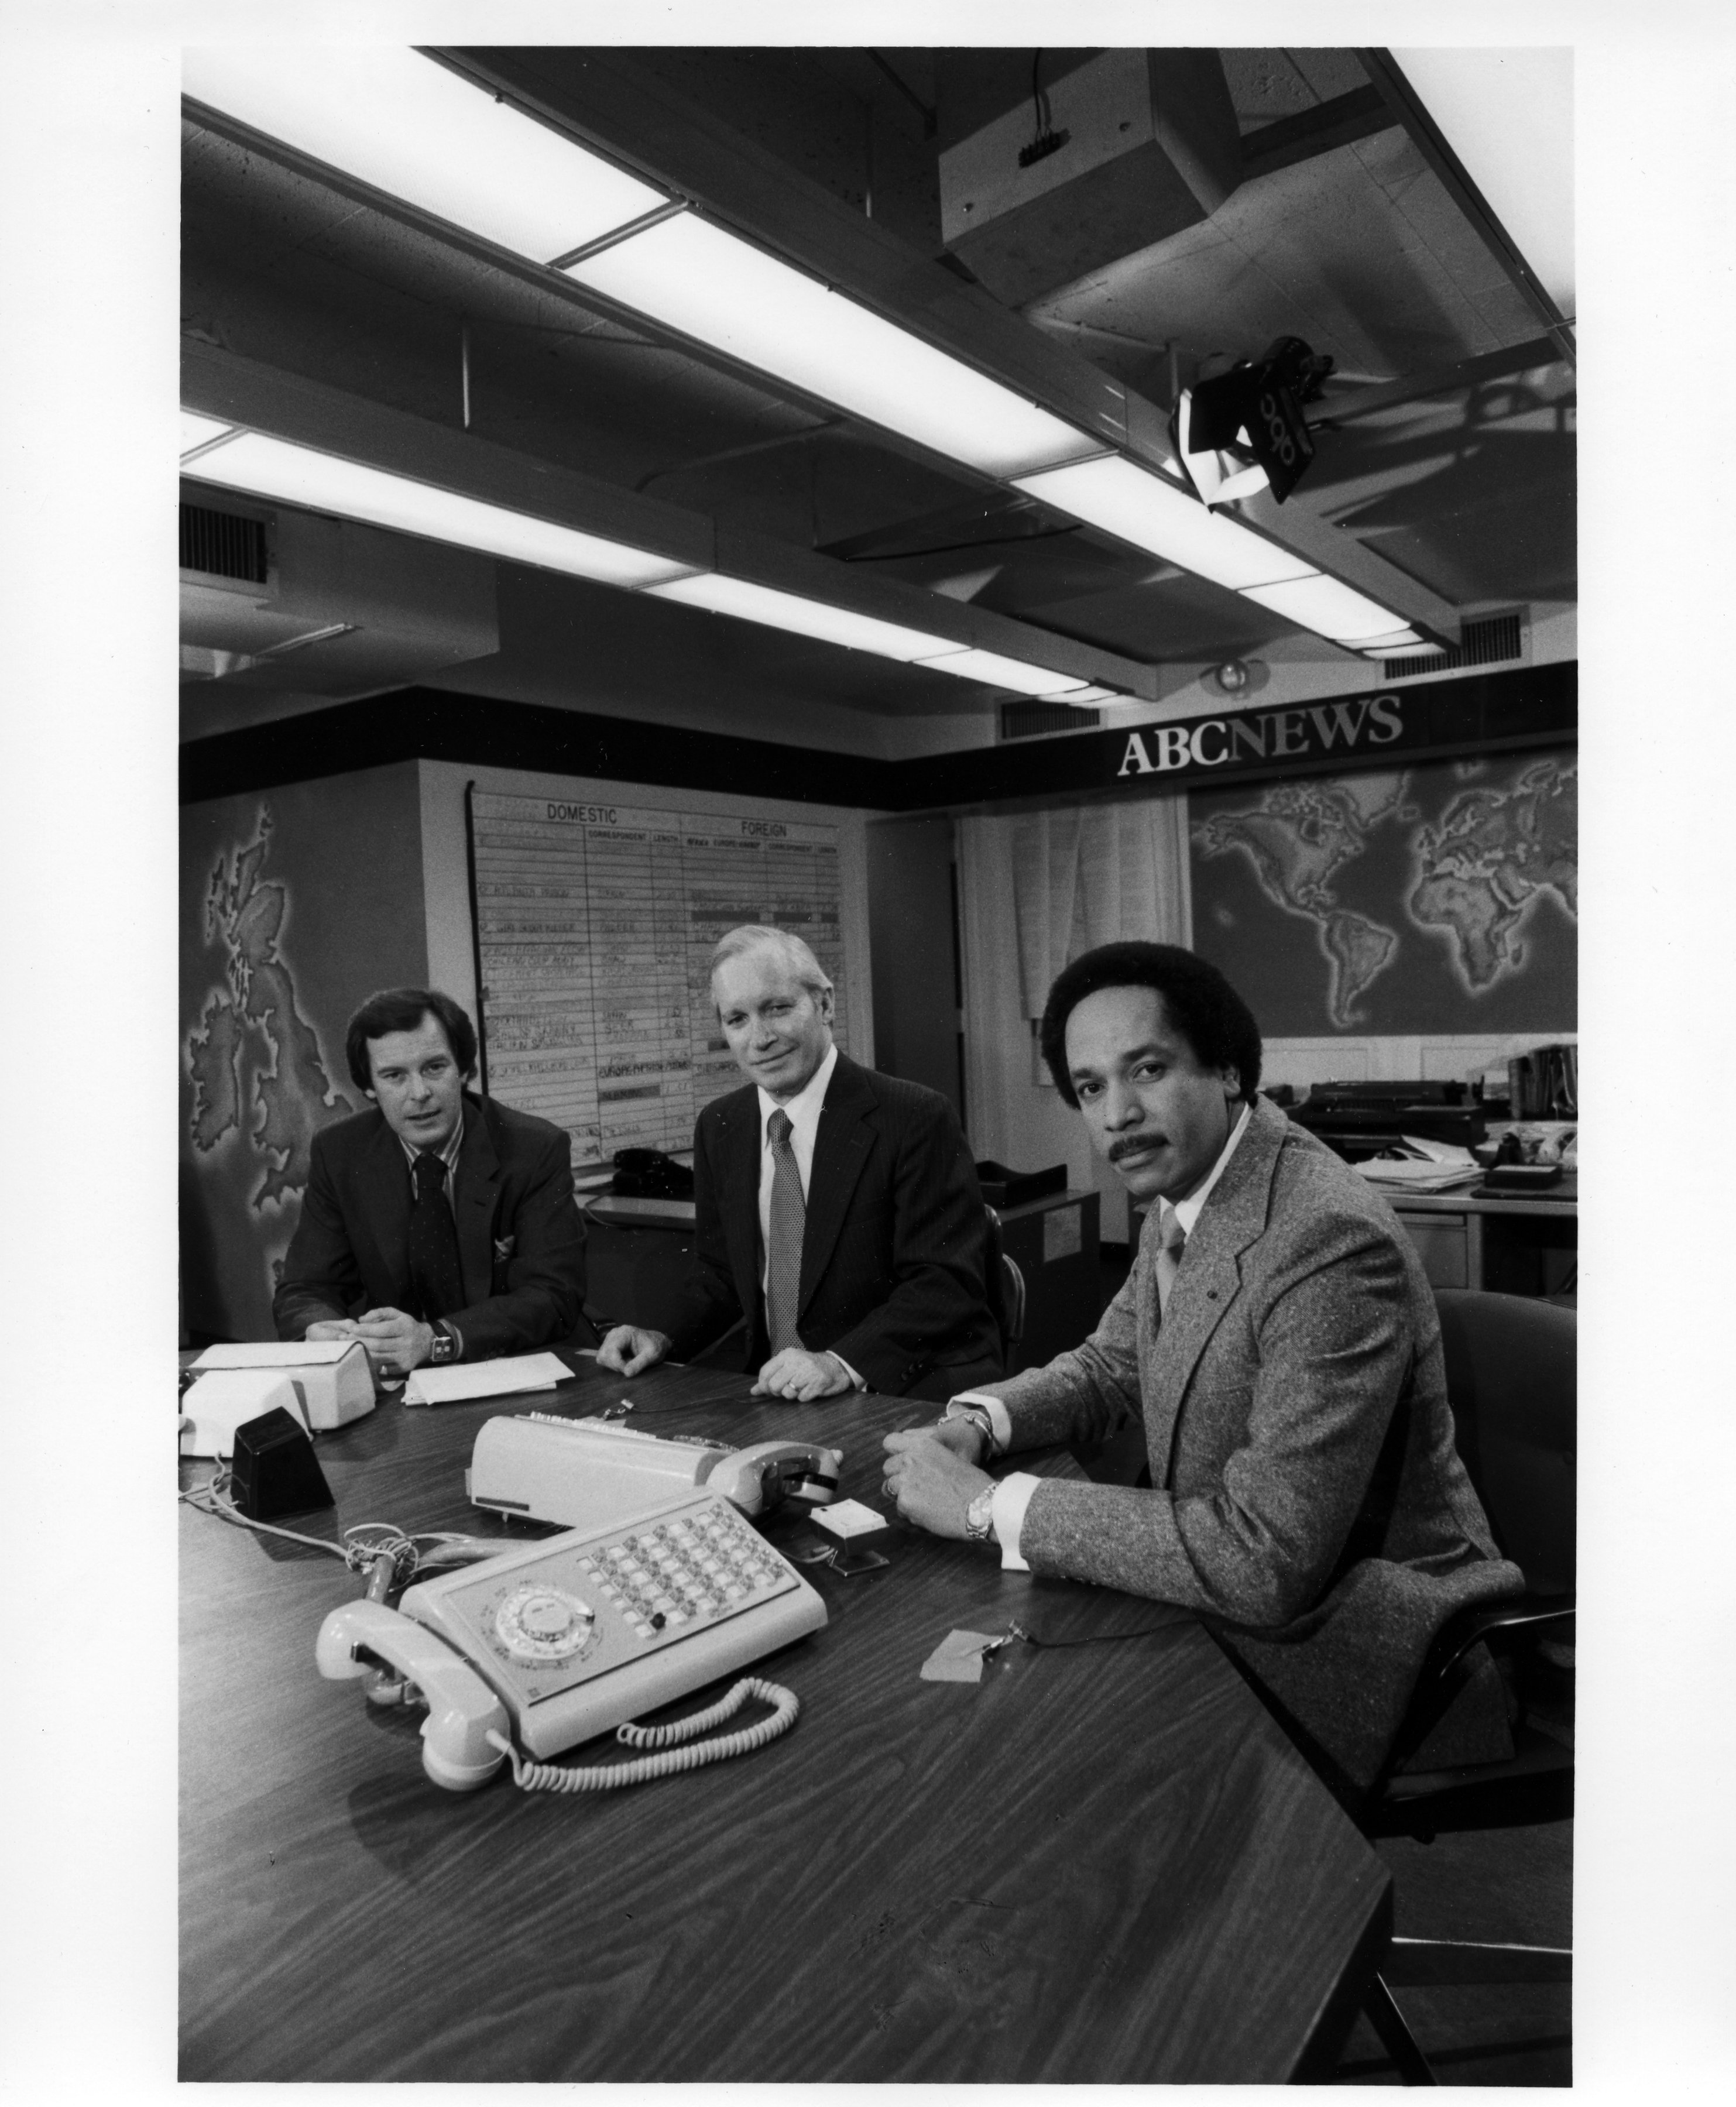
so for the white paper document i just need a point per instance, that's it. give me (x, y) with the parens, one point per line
(467, 1379)
(1412, 1175)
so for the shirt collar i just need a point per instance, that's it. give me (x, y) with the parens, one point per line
(448, 1154)
(803, 1108)
(1187, 1211)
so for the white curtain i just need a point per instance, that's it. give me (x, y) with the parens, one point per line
(1091, 874)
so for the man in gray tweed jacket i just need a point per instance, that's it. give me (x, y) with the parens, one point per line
(1276, 1341)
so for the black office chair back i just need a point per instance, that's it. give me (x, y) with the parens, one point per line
(1511, 1378)
(1006, 1287)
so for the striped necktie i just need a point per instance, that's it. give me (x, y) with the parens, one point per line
(784, 1247)
(1171, 1241)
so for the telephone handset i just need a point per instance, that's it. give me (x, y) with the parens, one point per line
(581, 1472)
(554, 1642)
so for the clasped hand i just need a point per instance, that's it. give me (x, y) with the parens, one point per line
(931, 1475)
(628, 1349)
(396, 1342)
(795, 1375)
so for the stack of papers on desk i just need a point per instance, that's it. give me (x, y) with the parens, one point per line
(1415, 1166)
(503, 1378)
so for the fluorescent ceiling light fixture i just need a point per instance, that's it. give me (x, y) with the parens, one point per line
(1329, 607)
(1085, 698)
(1395, 641)
(1125, 500)
(1419, 650)
(410, 126)
(721, 291)
(804, 617)
(197, 431)
(265, 467)
(719, 594)
(996, 671)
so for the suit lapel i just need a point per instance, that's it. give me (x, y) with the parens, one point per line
(473, 1202)
(841, 1147)
(1233, 1217)
(738, 1188)
(383, 1183)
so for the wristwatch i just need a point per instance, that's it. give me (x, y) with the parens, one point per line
(445, 1346)
(979, 1517)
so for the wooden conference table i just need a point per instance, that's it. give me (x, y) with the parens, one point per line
(1101, 1864)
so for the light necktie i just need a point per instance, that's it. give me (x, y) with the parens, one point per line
(783, 1244)
(436, 1277)
(1171, 1241)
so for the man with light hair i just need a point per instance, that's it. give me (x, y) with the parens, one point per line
(838, 1217)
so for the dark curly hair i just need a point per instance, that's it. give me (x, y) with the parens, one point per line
(1197, 1001)
(403, 1009)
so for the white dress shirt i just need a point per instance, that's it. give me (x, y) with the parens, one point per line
(803, 1111)
(1012, 1493)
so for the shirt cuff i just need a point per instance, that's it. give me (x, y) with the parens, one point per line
(856, 1380)
(1007, 1513)
(997, 1416)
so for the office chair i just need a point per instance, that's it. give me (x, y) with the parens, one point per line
(1005, 1284)
(1511, 1368)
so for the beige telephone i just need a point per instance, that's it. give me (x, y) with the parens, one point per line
(581, 1472)
(553, 1643)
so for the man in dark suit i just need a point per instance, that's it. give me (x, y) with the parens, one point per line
(1275, 1356)
(438, 1227)
(838, 1212)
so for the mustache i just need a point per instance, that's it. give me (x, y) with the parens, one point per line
(1134, 1145)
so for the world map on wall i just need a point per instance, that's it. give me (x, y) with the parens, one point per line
(1468, 870)
(258, 1070)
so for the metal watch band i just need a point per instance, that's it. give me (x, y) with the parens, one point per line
(979, 1517)
(978, 1417)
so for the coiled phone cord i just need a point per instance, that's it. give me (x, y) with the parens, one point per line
(604, 1777)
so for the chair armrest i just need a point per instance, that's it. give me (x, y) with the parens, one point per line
(1535, 1613)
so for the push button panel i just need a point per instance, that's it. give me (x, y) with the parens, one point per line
(618, 1595)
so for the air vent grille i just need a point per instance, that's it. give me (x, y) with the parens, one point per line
(1485, 643)
(1026, 720)
(222, 545)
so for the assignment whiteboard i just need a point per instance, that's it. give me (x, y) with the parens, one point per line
(595, 923)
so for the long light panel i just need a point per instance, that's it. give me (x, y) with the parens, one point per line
(411, 127)
(776, 609)
(265, 466)
(385, 114)
(696, 277)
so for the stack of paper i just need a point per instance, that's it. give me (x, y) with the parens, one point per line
(503, 1378)
(1413, 1165)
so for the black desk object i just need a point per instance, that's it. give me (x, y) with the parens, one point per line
(1101, 1864)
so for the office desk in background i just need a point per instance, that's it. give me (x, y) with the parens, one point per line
(636, 1250)
(1100, 1864)
(1511, 1243)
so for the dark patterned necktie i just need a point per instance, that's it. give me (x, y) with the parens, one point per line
(436, 1278)
(783, 1242)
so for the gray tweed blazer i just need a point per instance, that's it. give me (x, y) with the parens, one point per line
(1307, 1496)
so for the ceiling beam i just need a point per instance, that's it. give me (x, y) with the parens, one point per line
(1336, 410)
(600, 97)
(1339, 122)
(1431, 142)
(244, 392)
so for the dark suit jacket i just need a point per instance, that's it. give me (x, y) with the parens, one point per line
(1307, 1495)
(521, 1243)
(894, 1247)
